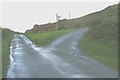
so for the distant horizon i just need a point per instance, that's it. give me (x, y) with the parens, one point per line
(16, 20)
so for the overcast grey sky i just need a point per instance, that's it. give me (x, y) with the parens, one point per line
(20, 16)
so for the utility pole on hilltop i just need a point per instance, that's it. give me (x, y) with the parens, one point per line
(57, 18)
(68, 20)
(56, 21)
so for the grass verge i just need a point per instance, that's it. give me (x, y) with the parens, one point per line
(43, 39)
(0, 53)
(5, 53)
(101, 51)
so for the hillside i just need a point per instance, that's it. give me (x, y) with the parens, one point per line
(103, 25)
(101, 40)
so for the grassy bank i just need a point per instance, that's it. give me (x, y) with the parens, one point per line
(6, 40)
(101, 40)
(101, 51)
(43, 39)
(0, 53)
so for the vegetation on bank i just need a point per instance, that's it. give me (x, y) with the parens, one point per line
(101, 40)
(43, 39)
(101, 51)
(0, 53)
(6, 40)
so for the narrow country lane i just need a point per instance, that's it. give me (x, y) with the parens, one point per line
(61, 59)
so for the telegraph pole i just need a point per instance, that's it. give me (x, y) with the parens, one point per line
(56, 21)
(57, 18)
(68, 20)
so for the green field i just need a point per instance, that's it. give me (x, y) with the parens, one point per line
(43, 39)
(101, 51)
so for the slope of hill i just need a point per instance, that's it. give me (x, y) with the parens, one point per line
(103, 25)
(101, 40)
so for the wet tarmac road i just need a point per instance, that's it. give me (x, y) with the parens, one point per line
(61, 59)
